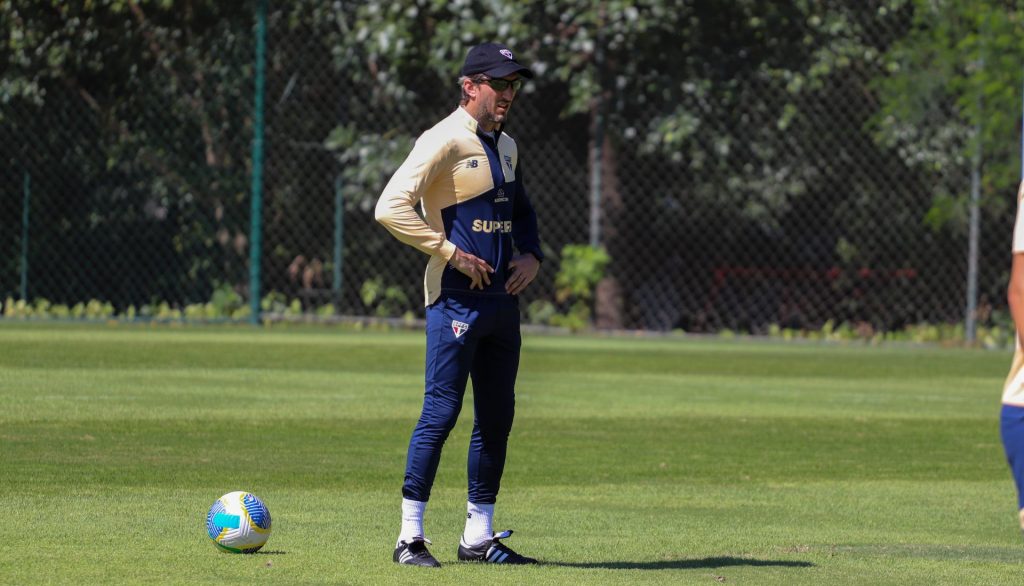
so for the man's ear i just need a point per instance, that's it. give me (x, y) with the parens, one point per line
(470, 89)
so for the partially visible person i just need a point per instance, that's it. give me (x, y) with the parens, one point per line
(1012, 415)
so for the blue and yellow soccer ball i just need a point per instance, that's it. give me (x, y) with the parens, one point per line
(238, 522)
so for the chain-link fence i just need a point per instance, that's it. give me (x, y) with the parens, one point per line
(128, 170)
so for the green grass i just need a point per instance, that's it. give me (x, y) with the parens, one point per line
(632, 461)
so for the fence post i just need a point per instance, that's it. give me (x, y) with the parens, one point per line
(971, 325)
(26, 192)
(256, 220)
(339, 214)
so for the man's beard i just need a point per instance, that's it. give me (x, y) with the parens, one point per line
(492, 116)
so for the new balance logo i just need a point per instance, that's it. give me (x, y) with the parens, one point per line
(472, 164)
(459, 328)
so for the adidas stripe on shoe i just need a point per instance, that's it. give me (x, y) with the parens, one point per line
(493, 551)
(415, 553)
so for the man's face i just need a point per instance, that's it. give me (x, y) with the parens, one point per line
(496, 101)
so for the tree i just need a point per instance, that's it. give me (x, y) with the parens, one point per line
(951, 100)
(715, 93)
(957, 72)
(124, 112)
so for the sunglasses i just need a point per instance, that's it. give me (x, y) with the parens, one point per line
(501, 85)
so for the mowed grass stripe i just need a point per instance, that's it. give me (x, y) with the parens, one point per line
(547, 450)
(162, 393)
(133, 347)
(144, 373)
(247, 395)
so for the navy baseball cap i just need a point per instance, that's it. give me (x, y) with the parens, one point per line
(494, 60)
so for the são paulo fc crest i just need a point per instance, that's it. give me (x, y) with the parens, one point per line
(459, 328)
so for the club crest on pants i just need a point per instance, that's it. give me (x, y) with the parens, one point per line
(459, 328)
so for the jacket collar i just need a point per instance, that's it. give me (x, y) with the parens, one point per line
(471, 122)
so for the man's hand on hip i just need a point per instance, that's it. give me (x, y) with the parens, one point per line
(522, 271)
(478, 271)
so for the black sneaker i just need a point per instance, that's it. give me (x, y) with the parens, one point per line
(493, 552)
(415, 554)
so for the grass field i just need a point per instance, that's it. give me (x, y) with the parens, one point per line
(632, 461)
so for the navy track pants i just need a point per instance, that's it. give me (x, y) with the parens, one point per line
(467, 336)
(1011, 428)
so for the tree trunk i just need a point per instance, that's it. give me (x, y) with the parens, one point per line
(608, 301)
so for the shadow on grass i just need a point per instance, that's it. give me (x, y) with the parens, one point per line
(271, 552)
(718, 562)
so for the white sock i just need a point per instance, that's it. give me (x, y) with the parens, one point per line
(412, 520)
(478, 524)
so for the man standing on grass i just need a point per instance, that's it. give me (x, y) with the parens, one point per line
(1012, 416)
(465, 173)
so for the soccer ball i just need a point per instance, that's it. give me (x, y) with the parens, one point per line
(238, 522)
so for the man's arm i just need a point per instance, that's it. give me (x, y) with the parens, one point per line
(525, 235)
(396, 208)
(524, 267)
(1015, 294)
(396, 211)
(1015, 290)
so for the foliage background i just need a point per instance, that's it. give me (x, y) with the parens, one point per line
(761, 163)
